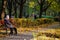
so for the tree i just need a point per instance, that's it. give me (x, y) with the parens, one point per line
(1, 7)
(15, 8)
(21, 3)
(9, 7)
(43, 8)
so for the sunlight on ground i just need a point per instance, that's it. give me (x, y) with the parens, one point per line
(40, 36)
(39, 33)
(44, 38)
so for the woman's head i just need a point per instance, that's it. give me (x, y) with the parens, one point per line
(7, 16)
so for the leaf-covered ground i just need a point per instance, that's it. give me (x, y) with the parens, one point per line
(40, 33)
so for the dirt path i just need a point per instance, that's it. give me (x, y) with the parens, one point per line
(18, 37)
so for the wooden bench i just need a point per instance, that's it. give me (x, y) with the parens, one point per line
(2, 26)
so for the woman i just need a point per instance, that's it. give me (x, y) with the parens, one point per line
(14, 25)
(10, 25)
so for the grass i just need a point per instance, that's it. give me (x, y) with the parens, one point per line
(45, 38)
(51, 34)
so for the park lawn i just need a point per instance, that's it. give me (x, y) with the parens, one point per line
(50, 34)
(29, 29)
(52, 31)
(23, 29)
(45, 38)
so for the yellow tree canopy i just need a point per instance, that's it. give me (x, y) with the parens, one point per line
(31, 4)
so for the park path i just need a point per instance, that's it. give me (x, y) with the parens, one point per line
(17, 37)
(54, 26)
(28, 35)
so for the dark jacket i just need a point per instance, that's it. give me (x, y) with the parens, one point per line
(6, 22)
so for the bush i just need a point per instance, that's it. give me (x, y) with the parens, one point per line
(29, 23)
(45, 20)
(23, 22)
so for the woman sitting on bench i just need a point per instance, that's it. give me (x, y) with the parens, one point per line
(10, 25)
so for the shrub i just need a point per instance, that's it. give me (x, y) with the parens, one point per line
(23, 22)
(45, 20)
(29, 23)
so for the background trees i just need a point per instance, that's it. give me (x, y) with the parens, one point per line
(9, 7)
(21, 3)
(44, 5)
(19, 8)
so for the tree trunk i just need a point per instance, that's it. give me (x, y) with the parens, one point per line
(21, 10)
(45, 12)
(15, 12)
(40, 15)
(1, 9)
(9, 7)
(15, 8)
(41, 9)
(10, 13)
(0, 13)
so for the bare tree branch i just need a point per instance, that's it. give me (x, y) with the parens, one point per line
(17, 2)
(47, 6)
(24, 1)
(38, 2)
(43, 1)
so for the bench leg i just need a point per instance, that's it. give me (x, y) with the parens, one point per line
(6, 31)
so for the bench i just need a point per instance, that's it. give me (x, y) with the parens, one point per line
(2, 26)
(4, 29)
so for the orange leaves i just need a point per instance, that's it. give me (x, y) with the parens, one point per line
(1, 21)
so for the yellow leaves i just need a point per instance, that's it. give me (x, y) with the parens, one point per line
(2, 16)
(49, 0)
(42, 36)
(55, 6)
(31, 23)
(31, 4)
(34, 34)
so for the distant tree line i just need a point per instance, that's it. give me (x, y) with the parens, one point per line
(13, 4)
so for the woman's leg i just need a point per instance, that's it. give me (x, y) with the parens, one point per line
(11, 30)
(15, 30)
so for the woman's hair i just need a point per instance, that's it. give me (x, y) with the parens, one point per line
(7, 16)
